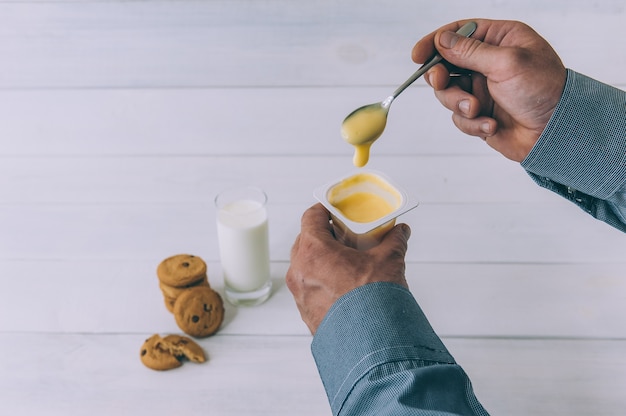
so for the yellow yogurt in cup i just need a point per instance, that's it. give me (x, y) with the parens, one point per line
(363, 207)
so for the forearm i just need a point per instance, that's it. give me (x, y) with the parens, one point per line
(581, 154)
(378, 355)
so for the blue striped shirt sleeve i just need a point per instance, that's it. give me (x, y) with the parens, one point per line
(378, 355)
(581, 154)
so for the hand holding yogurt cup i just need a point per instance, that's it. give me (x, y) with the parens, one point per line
(348, 240)
(323, 269)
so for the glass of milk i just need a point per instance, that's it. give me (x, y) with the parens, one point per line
(243, 237)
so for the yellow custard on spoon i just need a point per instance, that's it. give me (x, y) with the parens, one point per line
(362, 127)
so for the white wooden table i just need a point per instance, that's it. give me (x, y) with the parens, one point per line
(121, 120)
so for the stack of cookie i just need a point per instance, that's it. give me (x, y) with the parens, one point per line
(197, 308)
(178, 273)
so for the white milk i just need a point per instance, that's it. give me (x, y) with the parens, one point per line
(244, 245)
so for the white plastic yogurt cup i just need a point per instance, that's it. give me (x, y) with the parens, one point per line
(363, 235)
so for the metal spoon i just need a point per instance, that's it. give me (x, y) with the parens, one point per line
(365, 124)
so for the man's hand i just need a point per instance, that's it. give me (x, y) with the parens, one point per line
(516, 82)
(322, 269)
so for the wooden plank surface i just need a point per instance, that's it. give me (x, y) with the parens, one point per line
(74, 374)
(463, 299)
(56, 44)
(121, 120)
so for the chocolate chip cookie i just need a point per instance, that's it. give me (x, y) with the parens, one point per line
(181, 270)
(157, 356)
(199, 311)
(167, 353)
(185, 347)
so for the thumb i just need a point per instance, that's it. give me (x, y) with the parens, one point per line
(468, 53)
(396, 240)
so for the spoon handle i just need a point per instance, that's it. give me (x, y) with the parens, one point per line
(466, 30)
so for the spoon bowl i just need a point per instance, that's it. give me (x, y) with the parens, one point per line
(365, 124)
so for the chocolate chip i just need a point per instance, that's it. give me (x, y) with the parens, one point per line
(143, 352)
(185, 264)
(195, 318)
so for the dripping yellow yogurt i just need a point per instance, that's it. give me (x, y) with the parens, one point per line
(361, 128)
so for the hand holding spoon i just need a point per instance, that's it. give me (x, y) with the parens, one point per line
(365, 124)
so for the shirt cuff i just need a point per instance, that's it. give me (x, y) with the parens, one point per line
(369, 326)
(583, 144)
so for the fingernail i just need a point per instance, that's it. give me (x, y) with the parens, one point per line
(406, 230)
(448, 39)
(486, 128)
(464, 106)
(427, 78)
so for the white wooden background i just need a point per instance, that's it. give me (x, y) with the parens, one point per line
(121, 120)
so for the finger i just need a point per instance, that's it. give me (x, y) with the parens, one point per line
(442, 74)
(463, 81)
(438, 77)
(395, 242)
(472, 53)
(424, 49)
(316, 221)
(295, 246)
(315, 217)
(479, 126)
(459, 101)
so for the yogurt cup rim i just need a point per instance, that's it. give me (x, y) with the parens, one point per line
(406, 203)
